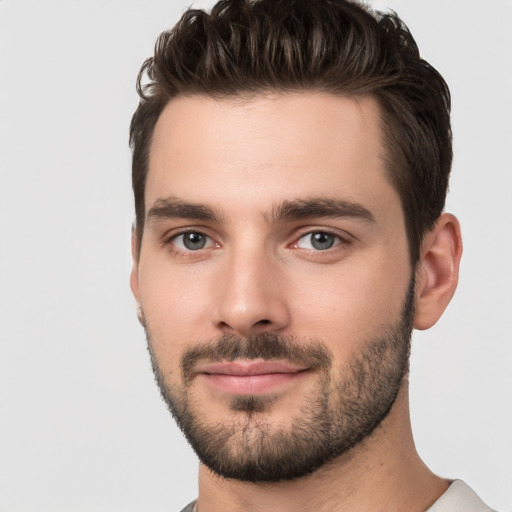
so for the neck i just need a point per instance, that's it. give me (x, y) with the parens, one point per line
(383, 472)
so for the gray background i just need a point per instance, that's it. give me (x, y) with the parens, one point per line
(82, 427)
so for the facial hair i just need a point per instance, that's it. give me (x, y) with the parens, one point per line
(345, 409)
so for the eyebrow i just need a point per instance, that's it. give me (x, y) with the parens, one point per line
(296, 209)
(299, 209)
(173, 208)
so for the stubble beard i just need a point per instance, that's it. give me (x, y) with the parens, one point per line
(342, 412)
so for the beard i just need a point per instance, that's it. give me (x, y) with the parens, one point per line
(346, 407)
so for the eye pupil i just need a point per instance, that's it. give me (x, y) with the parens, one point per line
(194, 241)
(322, 241)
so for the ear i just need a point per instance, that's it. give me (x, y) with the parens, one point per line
(437, 272)
(134, 275)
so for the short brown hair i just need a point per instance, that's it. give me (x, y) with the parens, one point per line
(247, 47)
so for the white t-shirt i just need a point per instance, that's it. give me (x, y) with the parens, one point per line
(459, 498)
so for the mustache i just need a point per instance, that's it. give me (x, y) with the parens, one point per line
(267, 346)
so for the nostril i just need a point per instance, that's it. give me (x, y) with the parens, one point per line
(263, 322)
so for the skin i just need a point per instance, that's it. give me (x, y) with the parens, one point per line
(257, 273)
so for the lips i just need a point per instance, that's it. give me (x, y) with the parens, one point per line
(243, 368)
(249, 377)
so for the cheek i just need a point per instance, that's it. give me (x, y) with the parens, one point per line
(347, 308)
(173, 305)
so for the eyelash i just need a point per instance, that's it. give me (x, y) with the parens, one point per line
(338, 240)
(169, 242)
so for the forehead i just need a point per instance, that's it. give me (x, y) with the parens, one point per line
(267, 149)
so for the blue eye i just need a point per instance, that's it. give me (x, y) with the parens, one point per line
(318, 241)
(192, 241)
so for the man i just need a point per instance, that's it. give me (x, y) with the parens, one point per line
(290, 167)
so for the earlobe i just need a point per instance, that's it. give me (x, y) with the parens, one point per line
(437, 271)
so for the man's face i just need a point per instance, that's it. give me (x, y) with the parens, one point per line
(274, 278)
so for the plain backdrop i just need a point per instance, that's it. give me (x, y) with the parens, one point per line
(82, 425)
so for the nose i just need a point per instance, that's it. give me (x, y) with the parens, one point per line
(251, 295)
